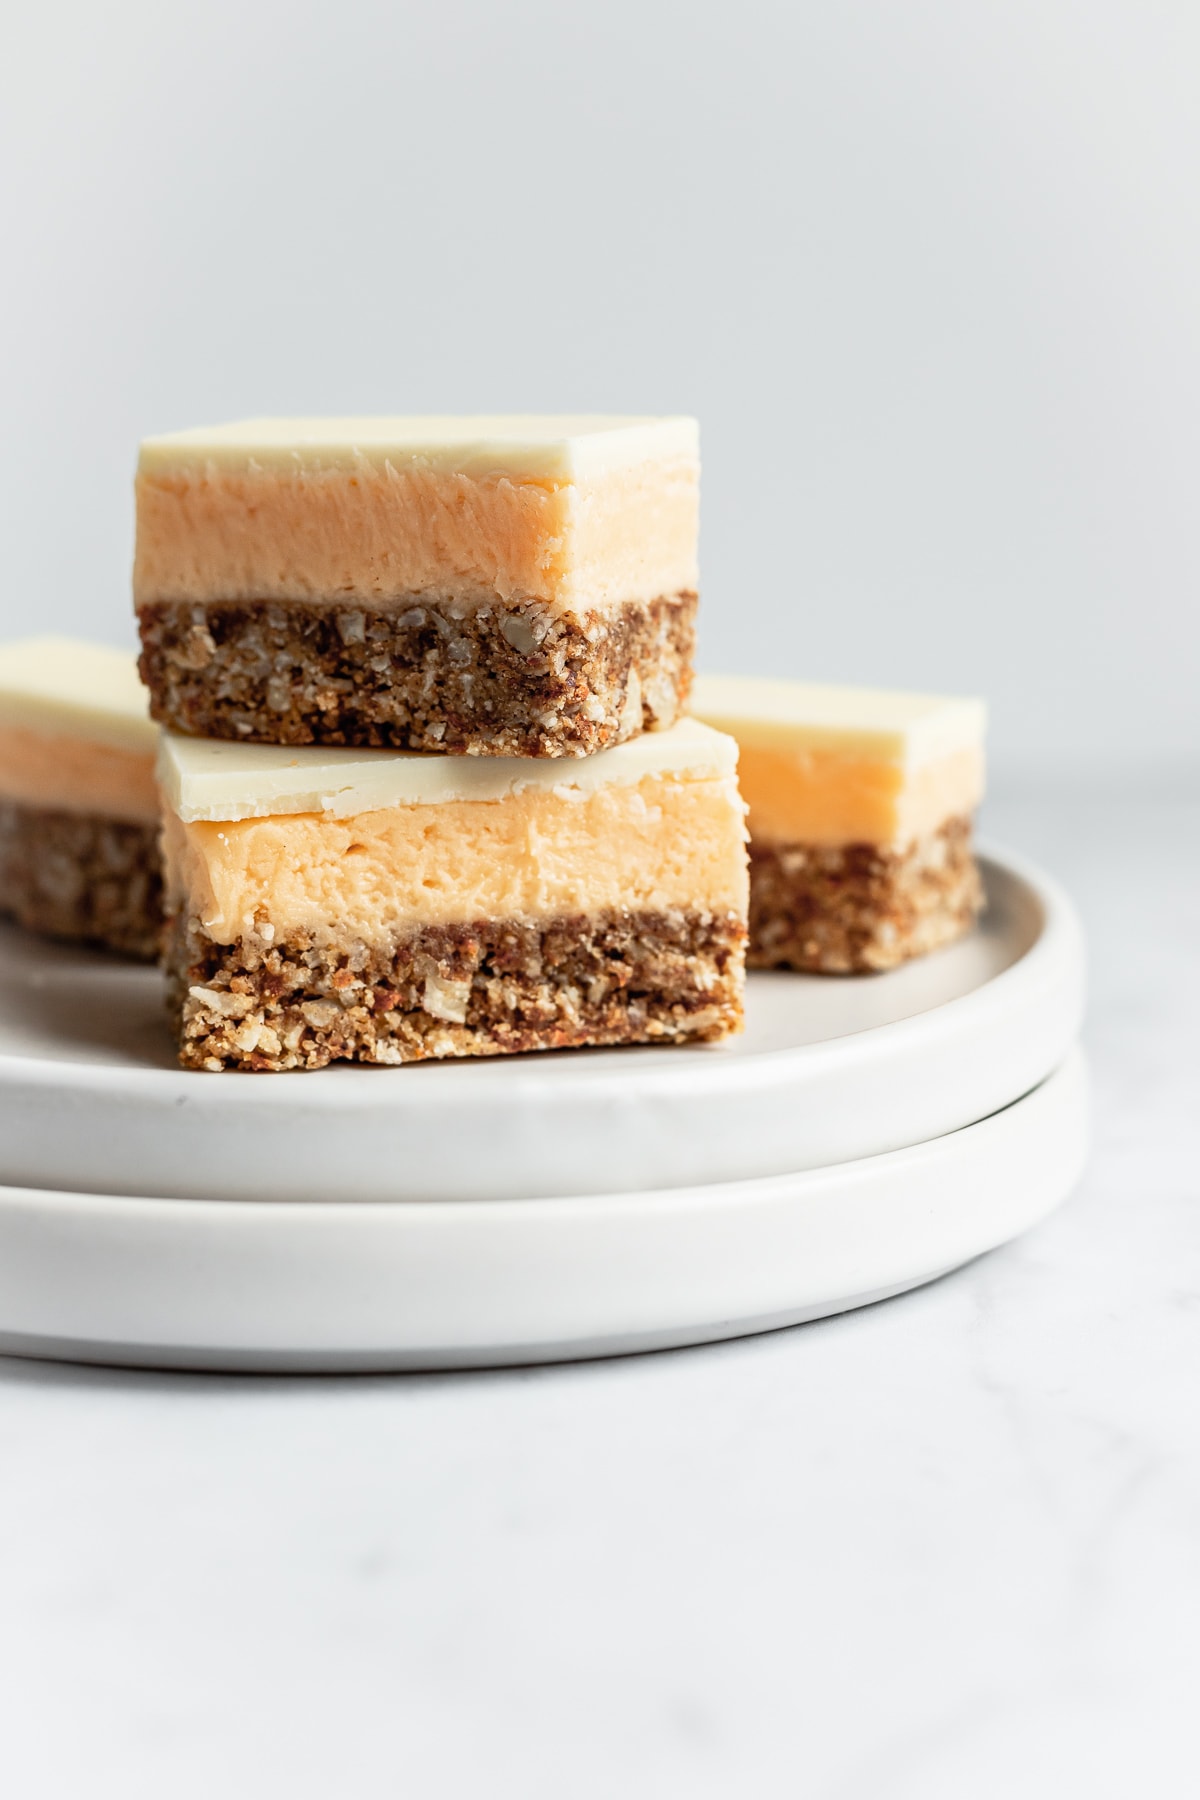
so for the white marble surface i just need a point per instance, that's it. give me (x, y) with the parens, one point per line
(944, 1549)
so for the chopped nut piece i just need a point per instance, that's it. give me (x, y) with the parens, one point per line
(446, 999)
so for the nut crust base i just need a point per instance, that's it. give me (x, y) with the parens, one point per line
(859, 907)
(82, 876)
(481, 678)
(456, 990)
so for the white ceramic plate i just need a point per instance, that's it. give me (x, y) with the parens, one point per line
(829, 1069)
(237, 1285)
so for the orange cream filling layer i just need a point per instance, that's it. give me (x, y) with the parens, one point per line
(75, 732)
(331, 512)
(70, 774)
(833, 765)
(538, 854)
(820, 797)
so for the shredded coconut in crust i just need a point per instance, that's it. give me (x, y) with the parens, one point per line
(481, 678)
(858, 907)
(456, 990)
(82, 876)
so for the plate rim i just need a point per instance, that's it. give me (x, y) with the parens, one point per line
(747, 1187)
(421, 1285)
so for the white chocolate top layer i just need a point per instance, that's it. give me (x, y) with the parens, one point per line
(908, 730)
(552, 447)
(202, 779)
(73, 689)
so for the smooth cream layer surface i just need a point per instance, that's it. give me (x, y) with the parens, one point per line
(830, 766)
(75, 734)
(204, 778)
(72, 774)
(661, 843)
(561, 447)
(571, 512)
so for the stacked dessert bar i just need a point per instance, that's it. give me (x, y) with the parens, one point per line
(427, 788)
(470, 586)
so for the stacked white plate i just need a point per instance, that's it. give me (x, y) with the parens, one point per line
(864, 1136)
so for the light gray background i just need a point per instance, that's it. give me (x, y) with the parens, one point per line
(928, 273)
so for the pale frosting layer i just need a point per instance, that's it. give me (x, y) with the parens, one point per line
(71, 688)
(662, 843)
(204, 778)
(550, 447)
(574, 512)
(866, 722)
(75, 735)
(832, 766)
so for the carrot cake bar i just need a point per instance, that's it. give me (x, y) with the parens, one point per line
(387, 907)
(860, 819)
(494, 586)
(78, 805)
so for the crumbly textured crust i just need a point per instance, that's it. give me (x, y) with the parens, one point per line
(82, 876)
(859, 907)
(482, 677)
(456, 990)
